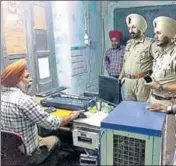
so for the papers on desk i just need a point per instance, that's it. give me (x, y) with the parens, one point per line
(61, 113)
(93, 119)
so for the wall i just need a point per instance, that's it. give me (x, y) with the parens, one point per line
(24, 35)
(89, 80)
(108, 9)
(69, 28)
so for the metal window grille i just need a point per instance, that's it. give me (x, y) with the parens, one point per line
(128, 151)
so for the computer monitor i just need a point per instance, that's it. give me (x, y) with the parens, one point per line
(109, 89)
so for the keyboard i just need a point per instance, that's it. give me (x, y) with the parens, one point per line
(51, 92)
(69, 103)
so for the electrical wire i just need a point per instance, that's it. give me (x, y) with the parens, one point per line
(103, 49)
(89, 67)
(88, 49)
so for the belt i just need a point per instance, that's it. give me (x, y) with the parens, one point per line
(137, 76)
(163, 98)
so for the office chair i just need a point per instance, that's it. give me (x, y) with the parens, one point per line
(10, 152)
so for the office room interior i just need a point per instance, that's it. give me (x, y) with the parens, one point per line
(88, 83)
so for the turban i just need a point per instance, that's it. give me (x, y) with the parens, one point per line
(165, 25)
(13, 73)
(138, 21)
(115, 34)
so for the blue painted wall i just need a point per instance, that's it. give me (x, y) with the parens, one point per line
(89, 81)
(69, 28)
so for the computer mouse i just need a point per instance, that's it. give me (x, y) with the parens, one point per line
(50, 109)
(82, 115)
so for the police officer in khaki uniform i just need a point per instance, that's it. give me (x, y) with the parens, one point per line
(162, 107)
(164, 74)
(171, 110)
(166, 109)
(137, 60)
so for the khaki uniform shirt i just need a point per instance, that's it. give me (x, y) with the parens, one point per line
(174, 108)
(137, 58)
(164, 67)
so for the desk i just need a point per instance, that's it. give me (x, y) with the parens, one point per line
(61, 112)
(58, 112)
(70, 132)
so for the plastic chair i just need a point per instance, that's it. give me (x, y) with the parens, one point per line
(11, 155)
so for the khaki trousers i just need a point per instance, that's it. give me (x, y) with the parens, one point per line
(47, 146)
(169, 136)
(135, 90)
(174, 159)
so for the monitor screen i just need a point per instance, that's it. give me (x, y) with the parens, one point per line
(109, 89)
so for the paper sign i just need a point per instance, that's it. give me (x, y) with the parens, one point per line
(39, 17)
(15, 41)
(14, 34)
(43, 64)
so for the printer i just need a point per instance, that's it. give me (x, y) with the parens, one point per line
(86, 130)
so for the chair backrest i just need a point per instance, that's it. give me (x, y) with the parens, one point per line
(10, 151)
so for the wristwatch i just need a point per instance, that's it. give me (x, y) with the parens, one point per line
(170, 110)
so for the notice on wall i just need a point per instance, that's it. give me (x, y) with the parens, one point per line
(39, 17)
(43, 64)
(15, 41)
(79, 60)
(14, 33)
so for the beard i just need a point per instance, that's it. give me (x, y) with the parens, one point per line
(135, 35)
(163, 42)
(26, 88)
(115, 46)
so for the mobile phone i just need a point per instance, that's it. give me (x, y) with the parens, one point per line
(148, 79)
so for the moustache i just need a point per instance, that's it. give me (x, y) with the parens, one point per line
(29, 84)
(28, 88)
(115, 45)
(132, 33)
(155, 40)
